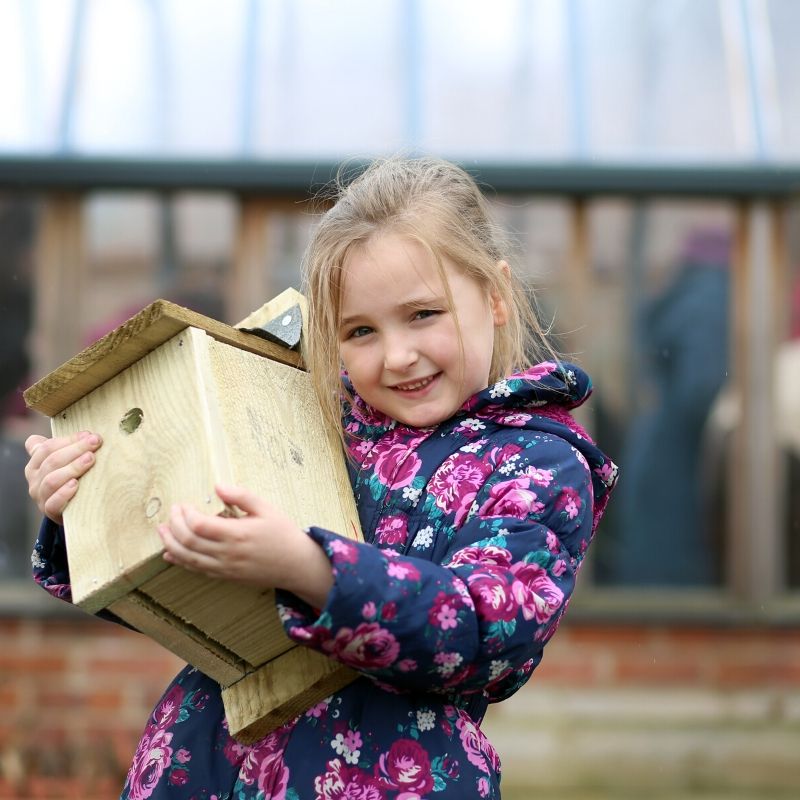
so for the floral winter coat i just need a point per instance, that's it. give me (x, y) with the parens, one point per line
(475, 531)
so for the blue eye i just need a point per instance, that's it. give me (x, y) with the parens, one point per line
(357, 333)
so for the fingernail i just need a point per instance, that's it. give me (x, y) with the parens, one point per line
(95, 440)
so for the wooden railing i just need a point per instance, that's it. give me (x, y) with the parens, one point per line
(760, 273)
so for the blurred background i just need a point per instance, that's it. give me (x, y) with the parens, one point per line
(646, 156)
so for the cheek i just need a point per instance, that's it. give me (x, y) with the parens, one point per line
(355, 360)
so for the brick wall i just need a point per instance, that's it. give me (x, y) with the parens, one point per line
(75, 697)
(75, 694)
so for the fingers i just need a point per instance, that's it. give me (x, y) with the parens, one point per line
(192, 540)
(54, 505)
(243, 499)
(33, 441)
(55, 465)
(59, 451)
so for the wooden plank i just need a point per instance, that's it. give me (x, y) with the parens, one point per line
(61, 279)
(125, 345)
(284, 452)
(177, 453)
(241, 618)
(753, 562)
(183, 640)
(250, 272)
(280, 690)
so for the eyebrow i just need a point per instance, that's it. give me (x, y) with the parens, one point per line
(414, 304)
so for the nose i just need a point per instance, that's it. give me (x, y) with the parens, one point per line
(399, 352)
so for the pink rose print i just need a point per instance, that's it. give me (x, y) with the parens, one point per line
(540, 477)
(341, 782)
(536, 594)
(397, 466)
(402, 570)
(369, 646)
(234, 752)
(179, 776)
(183, 756)
(511, 499)
(517, 420)
(478, 748)
(494, 599)
(264, 767)
(559, 568)
(539, 371)
(500, 455)
(569, 501)
(444, 611)
(318, 710)
(168, 710)
(607, 473)
(152, 757)
(491, 554)
(471, 742)
(392, 530)
(359, 449)
(407, 769)
(369, 610)
(342, 551)
(553, 545)
(483, 787)
(456, 482)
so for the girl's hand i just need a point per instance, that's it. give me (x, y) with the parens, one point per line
(264, 547)
(54, 468)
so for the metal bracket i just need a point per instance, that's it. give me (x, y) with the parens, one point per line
(285, 329)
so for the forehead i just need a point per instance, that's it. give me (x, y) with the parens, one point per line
(391, 266)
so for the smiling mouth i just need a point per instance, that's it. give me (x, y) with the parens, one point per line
(413, 386)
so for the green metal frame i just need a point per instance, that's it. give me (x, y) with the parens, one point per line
(298, 178)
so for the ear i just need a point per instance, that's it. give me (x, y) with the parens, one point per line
(498, 306)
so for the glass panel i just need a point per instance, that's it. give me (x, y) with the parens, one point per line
(788, 400)
(629, 79)
(494, 79)
(657, 346)
(17, 232)
(782, 66)
(330, 78)
(656, 80)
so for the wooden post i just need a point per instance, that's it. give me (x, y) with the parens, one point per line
(60, 281)
(754, 544)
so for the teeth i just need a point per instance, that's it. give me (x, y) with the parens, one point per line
(410, 387)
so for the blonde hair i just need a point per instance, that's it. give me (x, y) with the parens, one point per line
(439, 205)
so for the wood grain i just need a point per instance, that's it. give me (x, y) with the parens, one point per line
(280, 690)
(123, 346)
(183, 640)
(177, 454)
(239, 617)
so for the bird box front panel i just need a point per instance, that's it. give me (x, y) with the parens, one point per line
(162, 443)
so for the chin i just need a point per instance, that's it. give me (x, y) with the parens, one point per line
(423, 420)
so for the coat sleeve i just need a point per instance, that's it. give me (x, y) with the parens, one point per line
(51, 568)
(49, 561)
(479, 619)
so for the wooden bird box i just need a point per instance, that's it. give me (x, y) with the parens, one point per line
(184, 402)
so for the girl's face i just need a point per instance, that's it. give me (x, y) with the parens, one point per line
(398, 340)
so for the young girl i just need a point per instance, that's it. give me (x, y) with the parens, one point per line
(478, 495)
